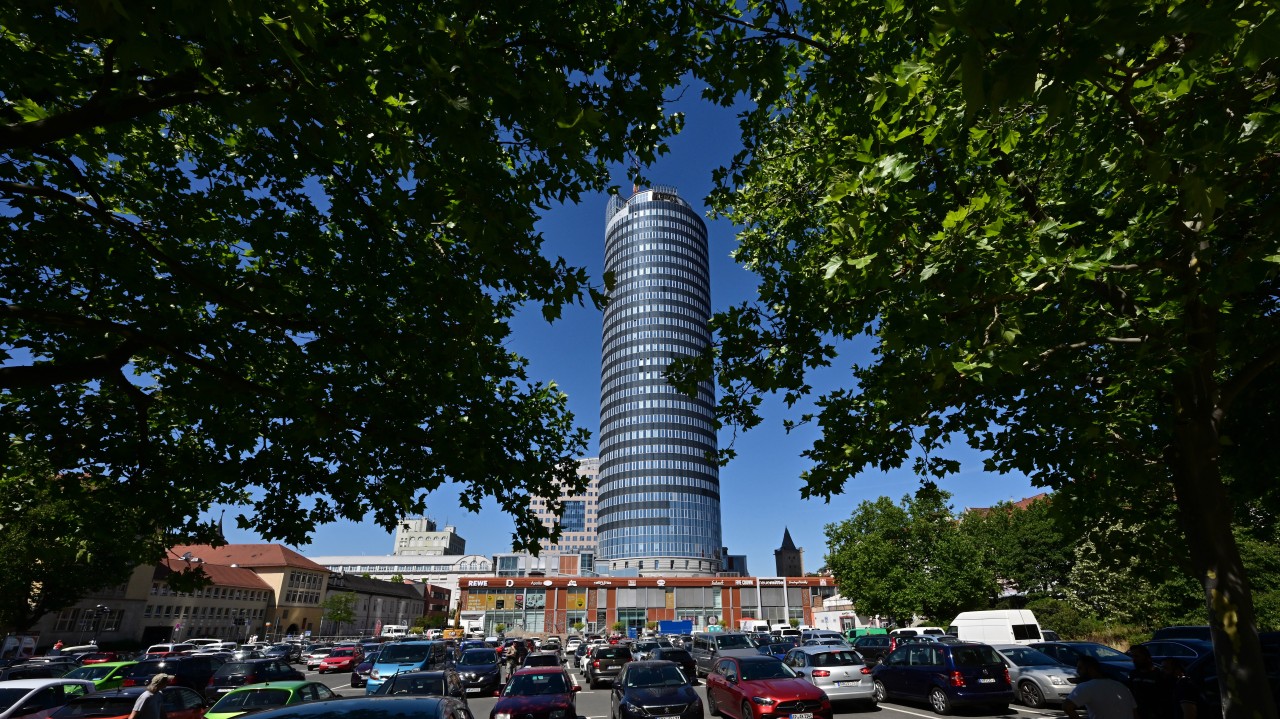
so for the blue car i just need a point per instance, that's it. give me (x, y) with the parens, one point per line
(777, 650)
(411, 656)
(944, 676)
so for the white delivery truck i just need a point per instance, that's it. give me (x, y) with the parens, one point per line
(997, 626)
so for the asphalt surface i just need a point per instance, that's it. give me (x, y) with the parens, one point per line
(594, 703)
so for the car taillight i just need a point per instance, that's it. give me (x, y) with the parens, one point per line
(865, 669)
(821, 673)
(596, 664)
(251, 679)
(957, 679)
(128, 682)
(1007, 680)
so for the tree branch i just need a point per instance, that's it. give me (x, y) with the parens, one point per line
(1083, 344)
(1232, 388)
(779, 34)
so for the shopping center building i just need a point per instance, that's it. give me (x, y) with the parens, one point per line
(554, 605)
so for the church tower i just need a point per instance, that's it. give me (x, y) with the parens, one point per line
(789, 559)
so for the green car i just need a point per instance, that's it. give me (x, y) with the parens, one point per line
(267, 696)
(107, 675)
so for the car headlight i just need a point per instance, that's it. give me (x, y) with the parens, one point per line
(501, 715)
(1058, 681)
(764, 701)
(373, 673)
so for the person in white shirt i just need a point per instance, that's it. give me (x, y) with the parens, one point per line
(1101, 698)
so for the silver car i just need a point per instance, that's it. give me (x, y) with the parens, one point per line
(1037, 678)
(838, 671)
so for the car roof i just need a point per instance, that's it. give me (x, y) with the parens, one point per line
(377, 706)
(822, 648)
(540, 670)
(287, 684)
(41, 683)
(108, 664)
(1201, 643)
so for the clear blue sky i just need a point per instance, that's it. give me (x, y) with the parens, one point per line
(761, 488)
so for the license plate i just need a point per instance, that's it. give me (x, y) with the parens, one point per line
(671, 717)
(224, 689)
(986, 681)
(473, 690)
(846, 684)
(805, 715)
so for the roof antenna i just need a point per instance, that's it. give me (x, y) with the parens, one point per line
(635, 173)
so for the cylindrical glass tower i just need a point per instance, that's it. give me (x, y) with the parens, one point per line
(659, 505)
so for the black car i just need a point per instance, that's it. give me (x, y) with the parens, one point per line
(291, 653)
(681, 657)
(435, 683)
(480, 671)
(418, 707)
(541, 659)
(606, 663)
(360, 675)
(193, 672)
(1114, 663)
(651, 689)
(1186, 650)
(232, 675)
(872, 647)
(944, 675)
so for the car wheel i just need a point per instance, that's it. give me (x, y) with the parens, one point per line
(1030, 694)
(712, 709)
(879, 692)
(939, 701)
(746, 711)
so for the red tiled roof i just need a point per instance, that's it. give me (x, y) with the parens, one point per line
(220, 575)
(1020, 504)
(250, 555)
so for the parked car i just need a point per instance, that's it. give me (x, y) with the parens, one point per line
(189, 671)
(175, 703)
(38, 698)
(1038, 678)
(373, 708)
(410, 656)
(315, 656)
(840, 672)
(710, 647)
(606, 663)
(1183, 631)
(1114, 663)
(283, 652)
(681, 657)
(1187, 650)
(537, 693)
(233, 675)
(777, 651)
(255, 697)
(341, 659)
(100, 658)
(104, 676)
(39, 670)
(360, 675)
(439, 683)
(760, 687)
(156, 651)
(247, 653)
(480, 671)
(653, 689)
(945, 676)
(872, 647)
(541, 659)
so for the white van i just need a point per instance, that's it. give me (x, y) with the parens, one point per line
(752, 626)
(997, 626)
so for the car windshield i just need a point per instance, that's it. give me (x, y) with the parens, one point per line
(974, 656)
(1101, 652)
(146, 669)
(542, 660)
(665, 675)
(430, 684)
(404, 653)
(752, 671)
(527, 685)
(1028, 657)
(836, 659)
(91, 672)
(97, 706)
(733, 641)
(676, 655)
(479, 656)
(250, 699)
(342, 653)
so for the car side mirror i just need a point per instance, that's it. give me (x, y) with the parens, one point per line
(732, 680)
(576, 688)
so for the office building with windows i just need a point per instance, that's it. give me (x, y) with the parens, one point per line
(578, 519)
(659, 500)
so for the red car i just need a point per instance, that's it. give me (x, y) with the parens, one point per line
(341, 659)
(762, 687)
(99, 658)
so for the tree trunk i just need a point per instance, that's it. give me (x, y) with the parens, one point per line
(1206, 517)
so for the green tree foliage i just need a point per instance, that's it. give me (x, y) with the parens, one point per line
(1054, 221)
(266, 255)
(340, 609)
(397, 578)
(908, 559)
(1024, 548)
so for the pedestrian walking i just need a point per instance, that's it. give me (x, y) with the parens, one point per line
(1100, 697)
(149, 704)
(1152, 687)
(1186, 695)
(510, 655)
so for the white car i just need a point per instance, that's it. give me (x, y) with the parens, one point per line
(38, 698)
(317, 655)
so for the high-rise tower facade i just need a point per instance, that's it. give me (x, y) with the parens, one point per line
(659, 504)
